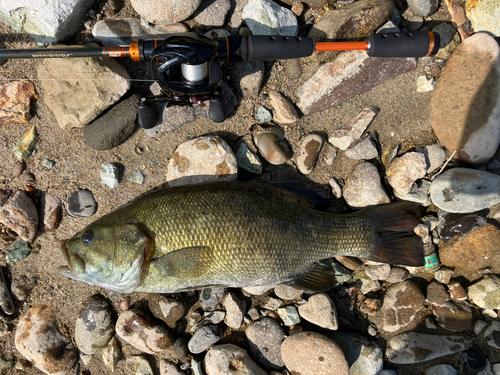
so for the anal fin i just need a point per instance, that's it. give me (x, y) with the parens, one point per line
(319, 277)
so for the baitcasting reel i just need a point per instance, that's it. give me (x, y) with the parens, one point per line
(187, 65)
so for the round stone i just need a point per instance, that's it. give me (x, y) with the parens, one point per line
(81, 203)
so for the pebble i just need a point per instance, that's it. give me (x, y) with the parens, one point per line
(75, 106)
(444, 275)
(20, 215)
(204, 338)
(19, 251)
(475, 251)
(161, 12)
(258, 290)
(424, 8)
(457, 291)
(320, 310)
(351, 131)
(401, 304)
(284, 111)
(213, 317)
(430, 323)
(455, 317)
(110, 175)
(289, 315)
(336, 189)
(247, 160)
(458, 120)
(38, 340)
(436, 293)
(419, 193)
(137, 329)
(111, 354)
(181, 350)
(170, 310)
(412, 347)
(363, 356)
(21, 287)
(114, 127)
(137, 178)
(330, 154)
(167, 368)
(211, 297)
(370, 306)
(293, 69)
(363, 187)
(435, 156)
(350, 74)
(272, 304)
(310, 148)
(212, 12)
(486, 292)
(405, 170)
(287, 292)
(464, 190)
(398, 275)
(248, 77)
(441, 369)
(310, 353)
(25, 146)
(450, 39)
(366, 284)
(95, 325)
(81, 203)
(378, 272)
(201, 160)
(6, 302)
(424, 84)
(121, 32)
(270, 142)
(491, 335)
(50, 209)
(19, 168)
(49, 164)
(16, 98)
(489, 314)
(139, 365)
(230, 359)
(265, 17)
(264, 338)
(235, 310)
(366, 149)
(354, 264)
(263, 115)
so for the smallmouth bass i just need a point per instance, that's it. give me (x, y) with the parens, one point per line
(233, 234)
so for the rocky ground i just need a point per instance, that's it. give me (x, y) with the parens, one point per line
(387, 142)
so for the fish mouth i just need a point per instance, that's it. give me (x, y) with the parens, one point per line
(76, 265)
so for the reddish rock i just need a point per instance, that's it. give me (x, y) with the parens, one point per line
(19, 214)
(457, 291)
(474, 252)
(15, 102)
(51, 212)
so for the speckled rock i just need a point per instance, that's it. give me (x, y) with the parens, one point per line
(15, 102)
(170, 310)
(457, 190)
(378, 272)
(366, 149)
(95, 325)
(405, 170)
(320, 310)
(412, 347)
(38, 339)
(289, 315)
(363, 187)
(167, 368)
(309, 151)
(247, 77)
(483, 16)
(265, 17)
(461, 121)
(424, 7)
(212, 12)
(20, 214)
(141, 332)
(284, 111)
(230, 359)
(310, 353)
(74, 106)
(200, 160)
(401, 304)
(486, 292)
(287, 292)
(204, 338)
(351, 131)
(492, 334)
(114, 127)
(139, 365)
(163, 12)
(265, 337)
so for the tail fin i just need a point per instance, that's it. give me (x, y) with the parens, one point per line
(396, 242)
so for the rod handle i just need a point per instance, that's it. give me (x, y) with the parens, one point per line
(403, 44)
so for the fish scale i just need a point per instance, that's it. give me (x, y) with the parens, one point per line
(232, 234)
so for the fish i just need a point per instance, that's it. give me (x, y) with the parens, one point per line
(234, 234)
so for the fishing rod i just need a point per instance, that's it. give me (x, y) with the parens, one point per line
(187, 66)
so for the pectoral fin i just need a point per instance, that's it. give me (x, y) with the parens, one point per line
(318, 278)
(190, 262)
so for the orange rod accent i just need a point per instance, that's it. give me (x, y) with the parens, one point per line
(432, 42)
(227, 49)
(116, 51)
(134, 50)
(341, 46)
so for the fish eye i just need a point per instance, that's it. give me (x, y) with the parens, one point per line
(87, 237)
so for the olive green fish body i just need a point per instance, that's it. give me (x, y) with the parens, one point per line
(227, 234)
